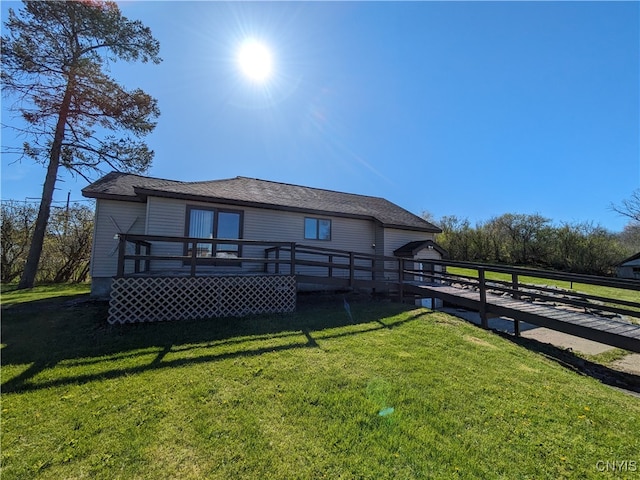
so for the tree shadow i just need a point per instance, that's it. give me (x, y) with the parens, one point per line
(565, 357)
(568, 359)
(74, 334)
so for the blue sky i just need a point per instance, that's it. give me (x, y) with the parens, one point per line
(470, 109)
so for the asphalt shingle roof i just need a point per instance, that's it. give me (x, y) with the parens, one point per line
(261, 194)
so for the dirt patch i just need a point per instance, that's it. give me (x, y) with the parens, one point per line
(478, 341)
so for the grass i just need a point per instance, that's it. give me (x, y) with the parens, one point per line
(12, 296)
(296, 396)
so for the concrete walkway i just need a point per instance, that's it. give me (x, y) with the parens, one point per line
(629, 364)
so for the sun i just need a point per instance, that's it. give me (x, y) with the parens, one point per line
(255, 61)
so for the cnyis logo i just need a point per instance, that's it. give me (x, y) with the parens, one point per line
(617, 466)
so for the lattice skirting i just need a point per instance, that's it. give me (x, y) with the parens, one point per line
(152, 299)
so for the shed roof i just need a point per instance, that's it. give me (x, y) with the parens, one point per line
(632, 258)
(253, 192)
(409, 250)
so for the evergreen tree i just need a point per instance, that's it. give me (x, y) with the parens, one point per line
(55, 66)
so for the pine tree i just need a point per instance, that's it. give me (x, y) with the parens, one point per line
(55, 60)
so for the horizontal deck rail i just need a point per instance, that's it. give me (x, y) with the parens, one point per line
(516, 288)
(331, 266)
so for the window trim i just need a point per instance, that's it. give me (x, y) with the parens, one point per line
(216, 210)
(317, 233)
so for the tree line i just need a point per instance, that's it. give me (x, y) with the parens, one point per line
(66, 248)
(533, 240)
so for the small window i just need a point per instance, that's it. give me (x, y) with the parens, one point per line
(317, 229)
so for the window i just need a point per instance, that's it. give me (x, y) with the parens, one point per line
(214, 223)
(317, 229)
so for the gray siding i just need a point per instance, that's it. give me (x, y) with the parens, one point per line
(346, 234)
(166, 217)
(630, 269)
(130, 217)
(162, 216)
(428, 254)
(395, 238)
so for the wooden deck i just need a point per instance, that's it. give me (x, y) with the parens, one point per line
(521, 294)
(603, 330)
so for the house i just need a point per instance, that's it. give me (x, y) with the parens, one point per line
(629, 268)
(254, 212)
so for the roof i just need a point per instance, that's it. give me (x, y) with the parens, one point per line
(410, 249)
(257, 193)
(630, 259)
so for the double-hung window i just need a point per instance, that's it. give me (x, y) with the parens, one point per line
(214, 223)
(317, 228)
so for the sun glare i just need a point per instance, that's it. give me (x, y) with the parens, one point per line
(254, 59)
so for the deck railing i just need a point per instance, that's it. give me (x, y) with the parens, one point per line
(528, 284)
(309, 263)
(341, 268)
(189, 258)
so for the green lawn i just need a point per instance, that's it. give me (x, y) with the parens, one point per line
(395, 393)
(12, 296)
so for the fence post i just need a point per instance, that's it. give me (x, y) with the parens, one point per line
(432, 272)
(122, 247)
(330, 267)
(483, 298)
(194, 254)
(401, 278)
(293, 258)
(265, 266)
(514, 286)
(136, 264)
(147, 263)
(352, 272)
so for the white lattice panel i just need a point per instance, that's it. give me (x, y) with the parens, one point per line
(152, 299)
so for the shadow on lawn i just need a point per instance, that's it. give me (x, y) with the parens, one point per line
(568, 359)
(74, 334)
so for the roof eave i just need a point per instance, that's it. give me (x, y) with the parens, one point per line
(430, 229)
(111, 196)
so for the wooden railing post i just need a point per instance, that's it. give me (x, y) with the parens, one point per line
(483, 298)
(330, 268)
(136, 267)
(147, 263)
(293, 258)
(514, 285)
(516, 296)
(122, 247)
(401, 278)
(352, 265)
(194, 255)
